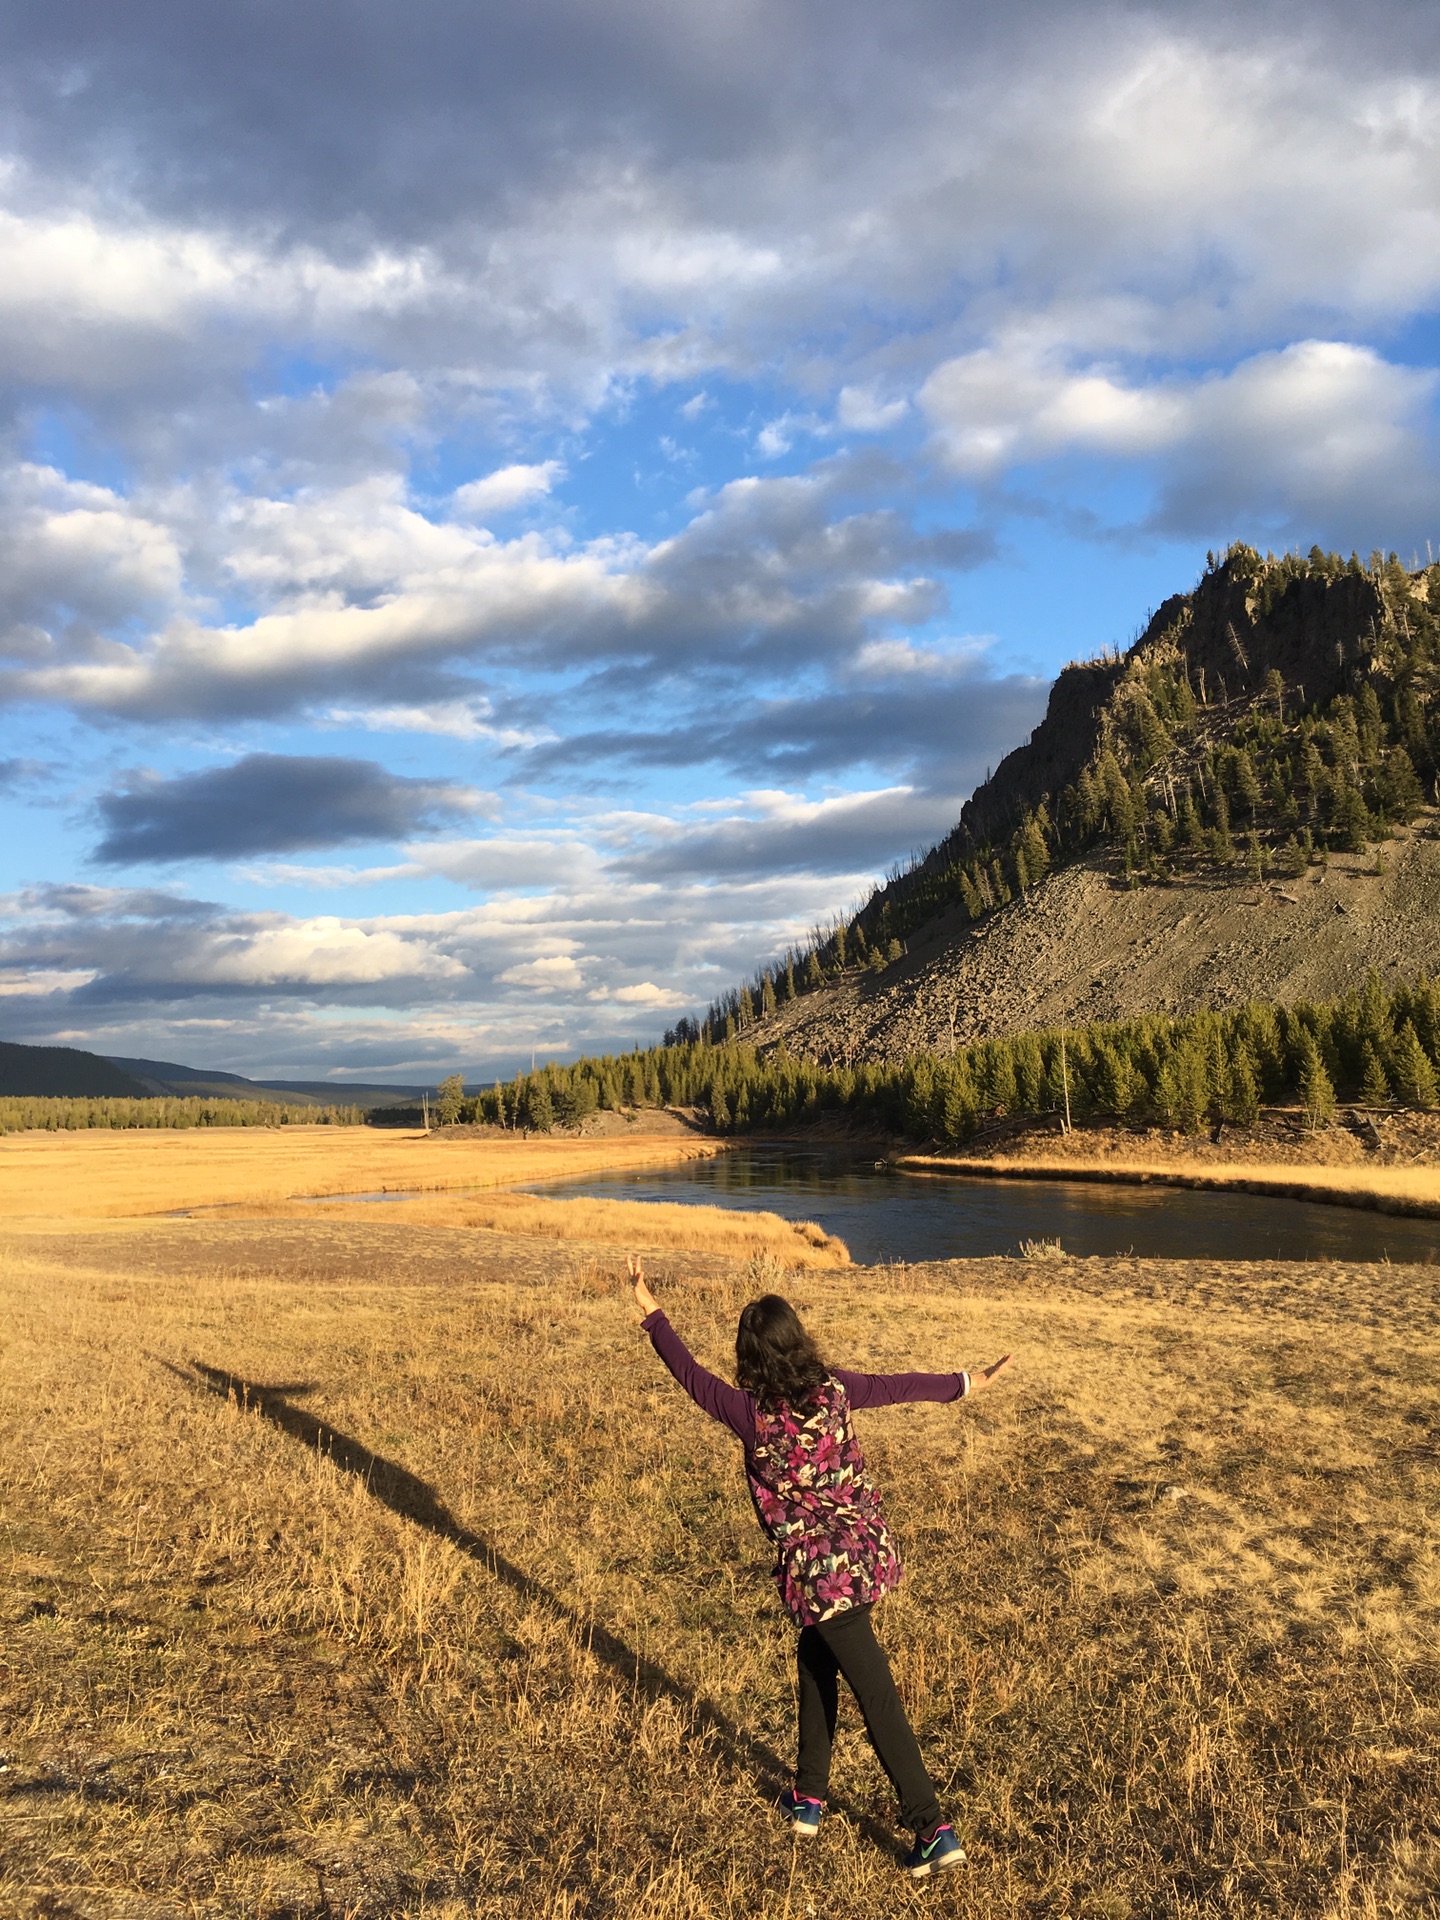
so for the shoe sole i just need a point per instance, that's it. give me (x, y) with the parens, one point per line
(803, 1832)
(924, 1872)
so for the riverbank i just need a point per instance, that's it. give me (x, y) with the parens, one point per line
(359, 1566)
(1387, 1162)
(1382, 1190)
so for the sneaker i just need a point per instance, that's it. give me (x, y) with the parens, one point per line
(941, 1850)
(802, 1814)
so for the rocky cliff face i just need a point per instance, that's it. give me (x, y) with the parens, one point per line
(1316, 629)
(1238, 807)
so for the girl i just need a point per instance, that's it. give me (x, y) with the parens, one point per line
(833, 1554)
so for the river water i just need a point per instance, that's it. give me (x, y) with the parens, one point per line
(884, 1215)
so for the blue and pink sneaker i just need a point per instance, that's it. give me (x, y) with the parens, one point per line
(935, 1854)
(802, 1814)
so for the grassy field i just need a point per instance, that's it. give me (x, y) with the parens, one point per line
(57, 1182)
(104, 1175)
(363, 1568)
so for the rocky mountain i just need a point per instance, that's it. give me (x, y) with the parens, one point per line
(1238, 806)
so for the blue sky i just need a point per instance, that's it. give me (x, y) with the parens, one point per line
(512, 515)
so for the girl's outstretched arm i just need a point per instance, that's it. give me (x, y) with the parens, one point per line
(727, 1404)
(892, 1389)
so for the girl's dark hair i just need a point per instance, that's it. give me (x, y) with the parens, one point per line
(775, 1358)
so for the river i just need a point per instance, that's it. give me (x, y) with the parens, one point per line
(884, 1215)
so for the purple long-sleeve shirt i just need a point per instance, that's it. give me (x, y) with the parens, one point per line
(735, 1409)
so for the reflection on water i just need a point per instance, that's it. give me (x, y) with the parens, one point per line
(883, 1215)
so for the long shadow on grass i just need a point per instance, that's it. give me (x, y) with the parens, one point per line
(405, 1493)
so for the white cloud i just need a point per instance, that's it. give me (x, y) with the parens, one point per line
(453, 719)
(895, 657)
(554, 973)
(36, 982)
(1321, 428)
(507, 488)
(861, 410)
(70, 548)
(316, 953)
(644, 994)
(995, 408)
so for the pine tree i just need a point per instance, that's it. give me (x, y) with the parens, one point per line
(1246, 782)
(1184, 1089)
(1032, 846)
(1317, 1094)
(1352, 821)
(1241, 1105)
(719, 1109)
(1399, 787)
(538, 1108)
(1414, 1073)
(813, 976)
(767, 995)
(1374, 1085)
(1312, 776)
(958, 1103)
(1222, 846)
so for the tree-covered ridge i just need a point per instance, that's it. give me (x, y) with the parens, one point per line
(23, 1113)
(1376, 1048)
(1285, 709)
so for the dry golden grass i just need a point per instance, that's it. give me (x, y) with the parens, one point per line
(618, 1223)
(1412, 1190)
(57, 1181)
(370, 1569)
(104, 1175)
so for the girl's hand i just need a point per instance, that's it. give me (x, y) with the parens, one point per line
(644, 1298)
(979, 1380)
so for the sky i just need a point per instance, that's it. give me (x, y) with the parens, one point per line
(511, 514)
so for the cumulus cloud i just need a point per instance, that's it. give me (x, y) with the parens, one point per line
(506, 489)
(1314, 431)
(862, 410)
(362, 591)
(271, 803)
(76, 558)
(553, 973)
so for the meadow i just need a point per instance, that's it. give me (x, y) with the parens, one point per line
(365, 1567)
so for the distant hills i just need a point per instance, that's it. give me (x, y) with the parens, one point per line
(71, 1073)
(63, 1072)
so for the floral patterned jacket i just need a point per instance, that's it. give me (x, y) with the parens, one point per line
(813, 1497)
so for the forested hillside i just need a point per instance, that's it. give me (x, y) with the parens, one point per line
(1278, 723)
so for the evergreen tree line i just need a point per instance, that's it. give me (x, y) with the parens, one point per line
(1377, 1049)
(25, 1115)
(1242, 778)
